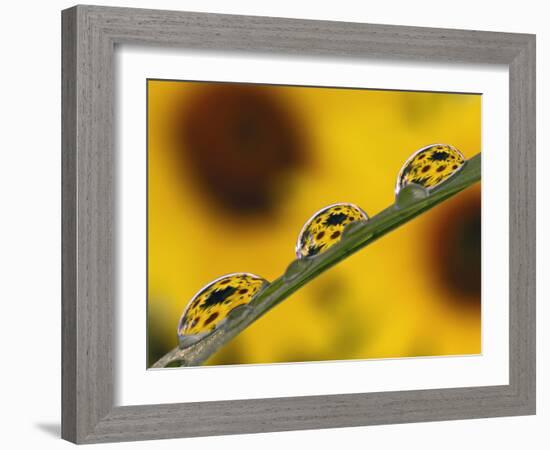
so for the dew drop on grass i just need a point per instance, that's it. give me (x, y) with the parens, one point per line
(209, 308)
(429, 167)
(325, 228)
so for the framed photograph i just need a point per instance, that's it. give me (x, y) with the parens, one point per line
(278, 224)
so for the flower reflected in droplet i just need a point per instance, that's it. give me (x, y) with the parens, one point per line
(430, 166)
(209, 308)
(325, 228)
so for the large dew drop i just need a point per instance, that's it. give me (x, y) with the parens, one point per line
(325, 228)
(209, 308)
(430, 166)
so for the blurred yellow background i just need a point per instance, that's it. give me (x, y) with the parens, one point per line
(234, 171)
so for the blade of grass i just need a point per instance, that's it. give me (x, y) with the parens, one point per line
(302, 271)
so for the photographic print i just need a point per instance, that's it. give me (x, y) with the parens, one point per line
(295, 236)
(290, 224)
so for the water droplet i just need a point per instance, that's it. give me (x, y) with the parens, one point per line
(410, 194)
(211, 306)
(430, 166)
(296, 267)
(324, 228)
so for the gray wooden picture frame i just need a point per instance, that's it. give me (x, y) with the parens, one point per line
(90, 34)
